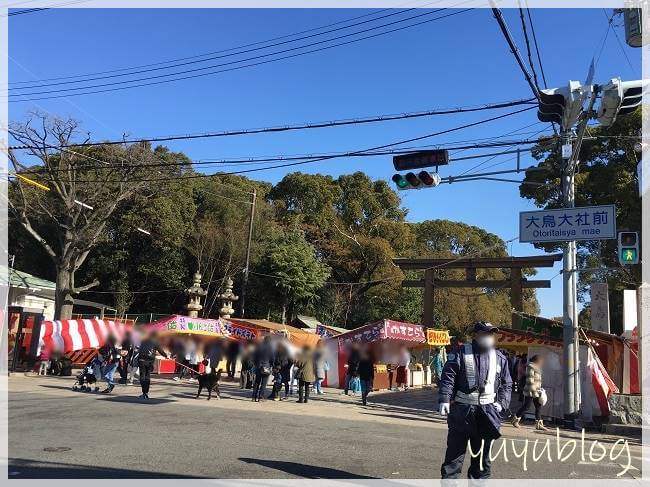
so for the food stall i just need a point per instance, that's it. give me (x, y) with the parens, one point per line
(299, 338)
(178, 325)
(385, 337)
(602, 367)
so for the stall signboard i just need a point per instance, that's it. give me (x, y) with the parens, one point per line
(239, 332)
(404, 331)
(386, 330)
(186, 324)
(438, 338)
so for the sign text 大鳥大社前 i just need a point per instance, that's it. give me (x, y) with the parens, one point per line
(563, 224)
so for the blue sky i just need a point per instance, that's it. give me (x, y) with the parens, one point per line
(456, 61)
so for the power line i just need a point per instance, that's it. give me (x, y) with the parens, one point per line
(141, 66)
(370, 149)
(539, 57)
(513, 47)
(313, 157)
(25, 11)
(620, 45)
(77, 91)
(304, 126)
(528, 49)
(211, 58)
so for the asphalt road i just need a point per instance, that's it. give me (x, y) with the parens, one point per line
(56, 433)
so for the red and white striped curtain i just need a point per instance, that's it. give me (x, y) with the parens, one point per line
(73, 335)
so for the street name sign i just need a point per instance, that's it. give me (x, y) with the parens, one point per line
(564, 224)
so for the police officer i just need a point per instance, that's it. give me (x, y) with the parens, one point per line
(474, 388)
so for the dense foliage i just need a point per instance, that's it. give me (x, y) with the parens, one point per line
(321, 246)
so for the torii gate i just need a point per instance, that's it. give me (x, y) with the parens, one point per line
(516, 283)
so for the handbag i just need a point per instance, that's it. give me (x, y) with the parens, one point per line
(543, 397)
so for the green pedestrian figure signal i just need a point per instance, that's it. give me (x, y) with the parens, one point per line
(628, 248)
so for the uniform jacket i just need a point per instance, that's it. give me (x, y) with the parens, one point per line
(533, 380)
(454, 379)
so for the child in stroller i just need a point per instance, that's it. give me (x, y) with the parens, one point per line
(87, 379)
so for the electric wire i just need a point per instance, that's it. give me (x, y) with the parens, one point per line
(160, 63)
(78, 91)
(292, 164)
(303, 126)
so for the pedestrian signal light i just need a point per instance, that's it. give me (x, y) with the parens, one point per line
(628, 248)
(423, 179)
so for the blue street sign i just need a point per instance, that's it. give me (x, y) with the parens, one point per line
(586, 223)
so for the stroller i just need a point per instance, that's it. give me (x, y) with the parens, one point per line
(87, 379)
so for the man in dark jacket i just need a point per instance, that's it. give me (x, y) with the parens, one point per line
(477, 379)
(353, 365)
(263, 359)
(366, 374)
(280, 362)
(232, 354)
(247, 375)
(111, 356)
(146, 357)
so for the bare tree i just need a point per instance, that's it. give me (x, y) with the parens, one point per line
(219, 254)
(99, 177)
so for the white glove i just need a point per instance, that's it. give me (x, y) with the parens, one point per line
(444, 409)
(498, 407)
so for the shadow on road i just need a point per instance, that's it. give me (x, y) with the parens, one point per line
(27, 469)
(305, 471)
(136, 400)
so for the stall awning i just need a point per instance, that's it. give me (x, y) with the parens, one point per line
(179, 324)
(298, 337)
(409, 333)
(72, 335)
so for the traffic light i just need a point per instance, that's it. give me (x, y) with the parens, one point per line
(619, 98)
(421, 180)
(562, 105)
(628, 248)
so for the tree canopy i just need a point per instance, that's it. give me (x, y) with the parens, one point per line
(321, 245)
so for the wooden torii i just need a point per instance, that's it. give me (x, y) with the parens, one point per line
(517, 283)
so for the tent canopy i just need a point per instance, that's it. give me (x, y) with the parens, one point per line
(72, 335)
(298, 337)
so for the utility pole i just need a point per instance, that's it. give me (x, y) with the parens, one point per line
(570, 334)
(248, 253)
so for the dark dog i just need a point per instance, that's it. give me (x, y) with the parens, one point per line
(210, 382)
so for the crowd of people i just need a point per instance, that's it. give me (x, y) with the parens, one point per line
(272, 368)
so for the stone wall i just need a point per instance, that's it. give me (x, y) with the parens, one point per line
(625, 409)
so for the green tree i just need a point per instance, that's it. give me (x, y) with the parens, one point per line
(607, 175)
(292, 264)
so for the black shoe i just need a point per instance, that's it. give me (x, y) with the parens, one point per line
(108, 390)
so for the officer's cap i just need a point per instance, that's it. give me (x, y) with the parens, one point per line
(484, 327)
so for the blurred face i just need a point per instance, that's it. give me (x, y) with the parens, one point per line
(485, 340)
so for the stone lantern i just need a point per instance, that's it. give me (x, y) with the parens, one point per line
(227, 298)
(196, 292)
